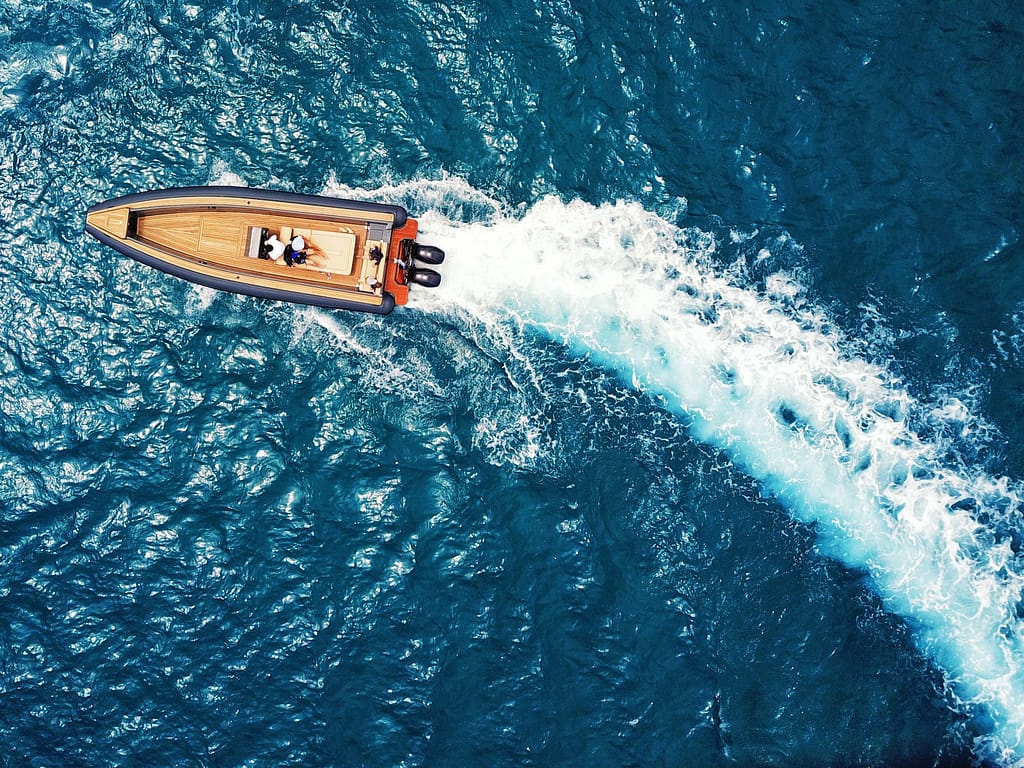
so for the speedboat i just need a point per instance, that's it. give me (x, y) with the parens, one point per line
(325, 251)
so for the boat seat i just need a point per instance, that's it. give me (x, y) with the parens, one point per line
(339, 250)
(371, 269)
(254, 242)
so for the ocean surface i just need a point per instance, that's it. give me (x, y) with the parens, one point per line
(707, 452)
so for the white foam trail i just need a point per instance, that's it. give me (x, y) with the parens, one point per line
(762, 376)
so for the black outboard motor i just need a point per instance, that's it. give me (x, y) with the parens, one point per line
(428, 278)
(428, 254)
(411, 250)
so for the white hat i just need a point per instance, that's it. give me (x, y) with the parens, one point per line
(298, 243)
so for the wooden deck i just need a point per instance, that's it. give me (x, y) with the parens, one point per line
(338, 250)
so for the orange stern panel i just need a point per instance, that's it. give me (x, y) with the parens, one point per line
(395, 282)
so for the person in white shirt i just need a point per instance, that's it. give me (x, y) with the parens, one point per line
(276, 248)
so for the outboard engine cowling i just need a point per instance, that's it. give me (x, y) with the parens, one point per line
(428, 254)
(428, 278)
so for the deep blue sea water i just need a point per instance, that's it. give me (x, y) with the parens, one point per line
(706, 453)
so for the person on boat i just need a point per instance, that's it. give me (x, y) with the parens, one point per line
(376, 254)
(298, 251)
(295, 251)
(275, 248)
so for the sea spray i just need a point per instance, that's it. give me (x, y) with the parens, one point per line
(761, 374)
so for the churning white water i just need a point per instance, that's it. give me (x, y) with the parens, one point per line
(761, 374)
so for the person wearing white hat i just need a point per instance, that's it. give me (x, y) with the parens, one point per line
(296, 252)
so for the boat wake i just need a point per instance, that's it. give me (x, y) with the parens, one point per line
(759, 373)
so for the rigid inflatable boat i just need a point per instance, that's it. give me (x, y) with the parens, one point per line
(344, 254)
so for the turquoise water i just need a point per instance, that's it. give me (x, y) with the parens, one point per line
(705, 453)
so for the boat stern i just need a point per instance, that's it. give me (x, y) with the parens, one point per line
(406, 263)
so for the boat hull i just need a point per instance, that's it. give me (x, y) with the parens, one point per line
(359, 253)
